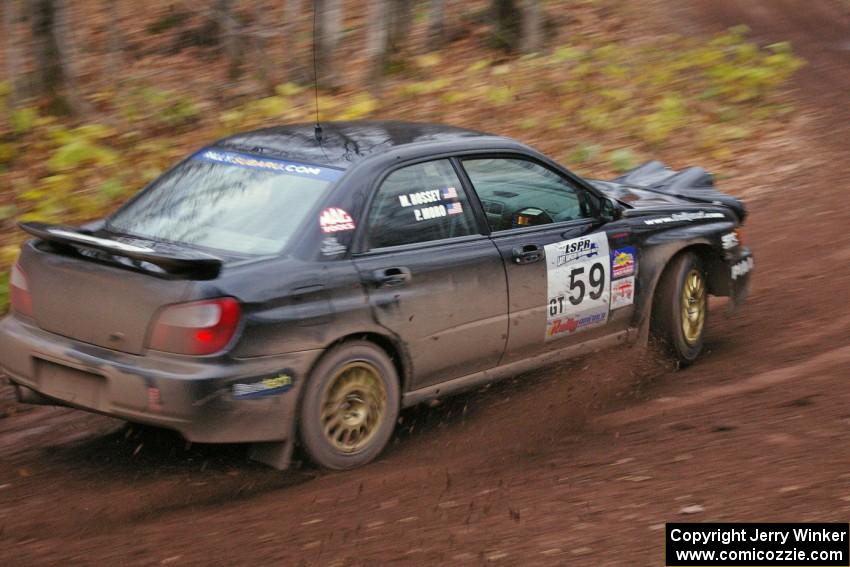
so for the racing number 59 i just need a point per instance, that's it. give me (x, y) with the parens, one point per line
(596, 279)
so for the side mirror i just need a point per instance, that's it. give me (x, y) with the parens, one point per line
(610, 210)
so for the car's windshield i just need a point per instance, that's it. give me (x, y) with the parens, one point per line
(226, 200)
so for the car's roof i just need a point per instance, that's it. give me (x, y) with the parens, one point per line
(344, 143)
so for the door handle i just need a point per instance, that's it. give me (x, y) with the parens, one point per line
(527, 254)
(392, 277)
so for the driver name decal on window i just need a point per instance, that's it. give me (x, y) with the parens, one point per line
(442, 202)
(578, 274)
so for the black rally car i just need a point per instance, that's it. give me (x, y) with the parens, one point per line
(290, 284)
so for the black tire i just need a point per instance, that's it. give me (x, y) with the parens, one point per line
(341, 391)
(681, 338)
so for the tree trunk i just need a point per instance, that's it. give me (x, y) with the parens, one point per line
(436, 24)
(532, 26)
(53, 56)
(376, 43)
(48, 77)
(506, 24)
(400, 23)
(291, 16)
(115, 58)
(228, 37)
(10, 16)
(260, 35)
(328, 29)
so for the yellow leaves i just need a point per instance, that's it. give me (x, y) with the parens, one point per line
(7, 153)
(270, 107)
(566, 53)
(8, 254)
(428, 60)
(360, 107)
(622, 160)
(478, 66)
(7, 212)
(418, 88)
(499, 95)
(455, 97)
(81, 152)
(288, 89)
(22, 120)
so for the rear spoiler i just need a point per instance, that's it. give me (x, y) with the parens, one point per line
(175, 263)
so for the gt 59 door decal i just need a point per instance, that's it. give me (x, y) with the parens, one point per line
(578, 273)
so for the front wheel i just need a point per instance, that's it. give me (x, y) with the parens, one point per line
(680, 310)
(350, 406)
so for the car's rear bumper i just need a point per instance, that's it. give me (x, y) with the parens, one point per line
(194, 396)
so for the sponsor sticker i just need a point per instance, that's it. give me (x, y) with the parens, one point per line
(742, 268)
(331, 246)
(154, 399)
(334, 219)
(570, 325)
(578, 249)
(578, 274)
(265, 387)
(623, 262)
(685, 217)
(269, 164)
(729, 240)
(622, 292)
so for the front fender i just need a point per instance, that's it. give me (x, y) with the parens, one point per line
(705, 240)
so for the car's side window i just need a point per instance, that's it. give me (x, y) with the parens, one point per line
(419, 203)
(516, 193)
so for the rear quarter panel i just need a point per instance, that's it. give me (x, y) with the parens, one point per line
(293, 305)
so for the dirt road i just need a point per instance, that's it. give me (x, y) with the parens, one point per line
(578, 465)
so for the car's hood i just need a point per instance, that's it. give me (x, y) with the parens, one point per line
(653, 184)
(639, 198)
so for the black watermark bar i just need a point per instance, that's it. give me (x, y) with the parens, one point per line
(757, 544)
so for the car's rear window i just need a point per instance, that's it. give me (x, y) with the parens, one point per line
(230, 201)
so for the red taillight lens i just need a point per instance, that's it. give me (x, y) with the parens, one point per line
(199, 327)
(19, 292)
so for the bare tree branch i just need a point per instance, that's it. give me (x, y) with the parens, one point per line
(436, 24)
(532, 26)
(228, 37)
(10, 15)
(376, 42)
(291, 18)
(328, 31)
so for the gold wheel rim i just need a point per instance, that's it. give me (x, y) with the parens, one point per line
(353, 407)
(693, 306)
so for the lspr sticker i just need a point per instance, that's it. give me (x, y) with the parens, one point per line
(578, 274)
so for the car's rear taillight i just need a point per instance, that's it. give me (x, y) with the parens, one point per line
(19, 292)
(198, 327)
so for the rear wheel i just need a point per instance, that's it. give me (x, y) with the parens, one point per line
(680, 311)
(350, 406)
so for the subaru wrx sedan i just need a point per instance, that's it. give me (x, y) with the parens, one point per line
(289, 285)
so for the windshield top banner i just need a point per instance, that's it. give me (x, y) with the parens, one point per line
(269, 164)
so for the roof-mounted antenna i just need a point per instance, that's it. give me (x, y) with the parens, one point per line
(317, 130)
